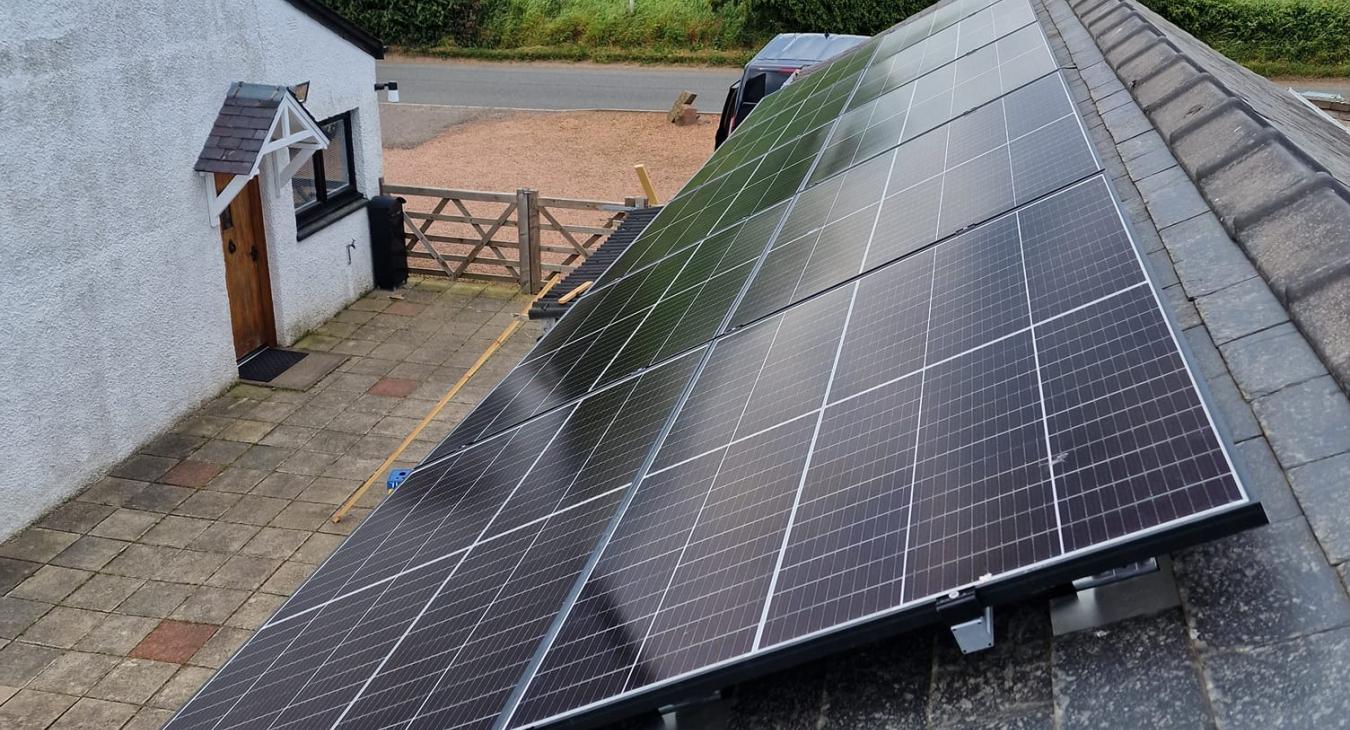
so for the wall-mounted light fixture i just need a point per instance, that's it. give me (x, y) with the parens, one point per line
(391, 87)
(301, 91)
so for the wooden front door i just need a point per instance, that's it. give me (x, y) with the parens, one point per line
(250, 289)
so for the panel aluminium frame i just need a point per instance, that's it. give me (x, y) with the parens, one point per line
(1015, 586)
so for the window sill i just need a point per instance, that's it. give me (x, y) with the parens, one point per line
(329, 217)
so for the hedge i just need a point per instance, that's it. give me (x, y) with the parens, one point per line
(1308, 34)
(1297, 31)
(860, 17)
(415, 23)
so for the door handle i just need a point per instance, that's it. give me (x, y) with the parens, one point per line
(253, 253)
(230, 247)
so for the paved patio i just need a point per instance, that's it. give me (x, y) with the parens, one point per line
(116, 606)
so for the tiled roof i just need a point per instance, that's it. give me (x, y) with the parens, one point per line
(241, 128)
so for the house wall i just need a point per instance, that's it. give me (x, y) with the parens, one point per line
(114, 320)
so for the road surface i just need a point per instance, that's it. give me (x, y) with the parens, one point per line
(553, 85)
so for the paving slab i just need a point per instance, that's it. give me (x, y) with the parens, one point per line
(882, 685)
(17, 614)
(1002, 685)
(37, 544)
(1323, 488)
(90, 553)
(210, 605)
(103, 592)
(92, 714)
(156, 599)
(133, 681)
(50, 584)
(117, 635)
(77, 517)
(74, 673)
(30, 708)
(126, 524)
(62, 627)
(1271, 360)
(173, 641)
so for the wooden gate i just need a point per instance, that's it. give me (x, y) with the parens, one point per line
(519, 237)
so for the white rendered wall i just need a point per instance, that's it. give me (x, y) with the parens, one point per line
(114, 320)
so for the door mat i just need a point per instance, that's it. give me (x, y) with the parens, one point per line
(288, 369)
(266, 364)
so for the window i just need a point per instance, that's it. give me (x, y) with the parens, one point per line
(326, 183)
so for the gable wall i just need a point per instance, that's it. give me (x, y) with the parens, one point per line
(112, 294)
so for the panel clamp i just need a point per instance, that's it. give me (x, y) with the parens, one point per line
(972, 624)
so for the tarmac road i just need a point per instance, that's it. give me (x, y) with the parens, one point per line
(553, 85)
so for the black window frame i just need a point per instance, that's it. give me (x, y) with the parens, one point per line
(327, 209)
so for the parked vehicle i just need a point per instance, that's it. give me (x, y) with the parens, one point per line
(775, 63)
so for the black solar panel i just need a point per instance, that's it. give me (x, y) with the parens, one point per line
(892, 344)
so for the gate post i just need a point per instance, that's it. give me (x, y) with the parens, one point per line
(527, 227)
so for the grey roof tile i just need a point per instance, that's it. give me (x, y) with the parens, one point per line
(1203, 352)
(1239, 310)
(1299, 683)
(1232, 411)
(1171, 197)
(1265, 479)
(1306, 422)
(1136, 673)
(1206, 258)
(1322, 488)
(1260, 586)
(1269, 360)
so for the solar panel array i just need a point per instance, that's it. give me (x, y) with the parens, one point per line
(893, 341)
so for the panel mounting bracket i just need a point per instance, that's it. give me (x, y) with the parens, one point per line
(971, 623)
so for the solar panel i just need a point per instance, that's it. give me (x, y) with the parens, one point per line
(892, 348)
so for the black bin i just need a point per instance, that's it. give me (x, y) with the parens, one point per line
(388, 255)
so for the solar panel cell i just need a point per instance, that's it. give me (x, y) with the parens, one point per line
(1132, 445)
(712, 607)
(845, 558)
(979, 290)
(983, 503)
(888, 328)
(1076, 249)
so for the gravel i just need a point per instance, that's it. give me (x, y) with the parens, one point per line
(560, 154)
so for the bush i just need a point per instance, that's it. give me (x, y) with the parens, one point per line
(1248, 31)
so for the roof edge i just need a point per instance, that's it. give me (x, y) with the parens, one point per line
(349, 31)
(1284, 207)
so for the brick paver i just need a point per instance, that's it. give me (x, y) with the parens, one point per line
(116, 606)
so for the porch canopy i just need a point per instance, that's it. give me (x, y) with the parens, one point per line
(256, 120)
